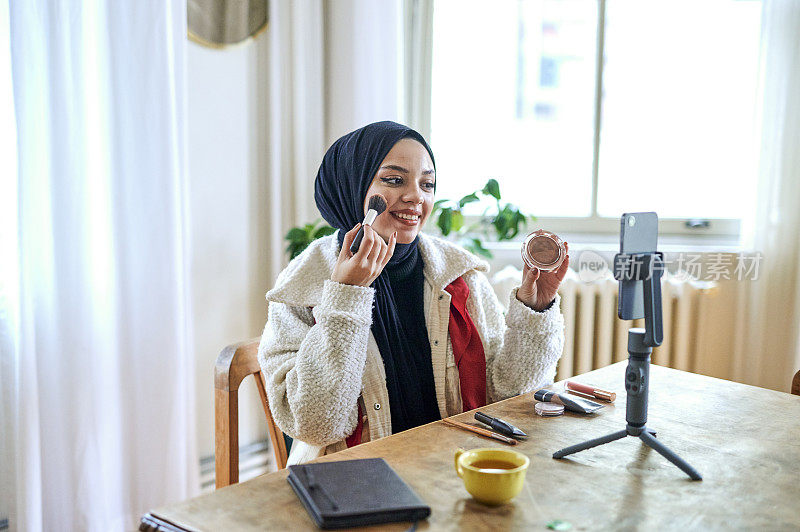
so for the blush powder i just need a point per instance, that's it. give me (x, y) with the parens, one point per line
(543, 250)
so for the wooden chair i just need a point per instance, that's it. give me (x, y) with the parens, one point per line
(796, 384)
(233, 364)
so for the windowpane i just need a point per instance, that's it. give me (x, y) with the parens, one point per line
(679, 88)
(513, 98)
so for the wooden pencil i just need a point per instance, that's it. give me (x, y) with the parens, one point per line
(482, 432)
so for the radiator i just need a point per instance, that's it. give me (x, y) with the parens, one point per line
(595, 337)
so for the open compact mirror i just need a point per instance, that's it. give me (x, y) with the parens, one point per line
(544, 250)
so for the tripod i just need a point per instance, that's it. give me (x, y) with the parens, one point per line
(637, 375)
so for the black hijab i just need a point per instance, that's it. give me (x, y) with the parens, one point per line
(345, 175)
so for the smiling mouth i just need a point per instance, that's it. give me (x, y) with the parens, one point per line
(406, 219)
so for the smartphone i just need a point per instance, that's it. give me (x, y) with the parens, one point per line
(638, 234)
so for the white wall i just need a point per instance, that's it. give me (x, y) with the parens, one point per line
(227, 165)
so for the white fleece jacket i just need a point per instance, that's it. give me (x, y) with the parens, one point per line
(319, 357)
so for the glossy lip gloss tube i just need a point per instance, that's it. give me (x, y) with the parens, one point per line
(596, 393)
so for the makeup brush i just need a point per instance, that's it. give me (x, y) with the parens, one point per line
(376, 205)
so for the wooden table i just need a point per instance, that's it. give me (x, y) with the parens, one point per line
(744, 440)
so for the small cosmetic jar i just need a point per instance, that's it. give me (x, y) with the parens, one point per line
(544, 250)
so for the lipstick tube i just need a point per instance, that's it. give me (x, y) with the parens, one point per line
(597, 393)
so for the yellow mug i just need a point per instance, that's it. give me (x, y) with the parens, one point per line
(492, 476)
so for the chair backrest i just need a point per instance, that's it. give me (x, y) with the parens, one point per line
(796, 384)
(233, 364)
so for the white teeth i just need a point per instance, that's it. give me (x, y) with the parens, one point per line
(407, 216)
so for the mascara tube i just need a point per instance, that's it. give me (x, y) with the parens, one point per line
(574, 404)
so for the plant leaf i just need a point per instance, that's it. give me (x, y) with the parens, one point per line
(300, 237)
(445, 221)
(295, 248)
(457, 221)
(515, 218)
(295, 234)
(502, 223)
(325, 230)
(469, 198)
(437, 203)
(492, 188)
(475, 246)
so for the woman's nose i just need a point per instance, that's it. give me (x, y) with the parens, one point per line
(413, 195)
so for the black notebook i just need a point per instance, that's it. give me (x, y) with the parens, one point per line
(355, 493)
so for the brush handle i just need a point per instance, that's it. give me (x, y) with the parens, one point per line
(478, 430)
(357, 240)
(368, 219)
(497, 424)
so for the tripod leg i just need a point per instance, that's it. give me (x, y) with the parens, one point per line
(664, 451)
(589, 444)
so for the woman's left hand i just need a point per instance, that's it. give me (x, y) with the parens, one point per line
(539, 288)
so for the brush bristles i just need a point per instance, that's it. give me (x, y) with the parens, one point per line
(377, 203)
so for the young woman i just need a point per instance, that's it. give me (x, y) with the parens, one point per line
(406, 331)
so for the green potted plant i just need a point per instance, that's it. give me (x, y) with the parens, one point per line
(499, 221)
(300, 237)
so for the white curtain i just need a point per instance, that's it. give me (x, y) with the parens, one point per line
(417, 62)
(768, 347)
(101, 389)
(8, 272)
(295, 131)
(333, 67)
(364, 68)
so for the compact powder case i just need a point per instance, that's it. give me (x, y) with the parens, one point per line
(543, 250)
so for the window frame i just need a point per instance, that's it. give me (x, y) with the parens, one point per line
(713, 232)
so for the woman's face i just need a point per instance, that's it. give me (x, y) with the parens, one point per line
(406, 179)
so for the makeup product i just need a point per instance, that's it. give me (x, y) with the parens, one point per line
(594, 393)
(478, 430)
(503, 427)
(575, 404)
(548, 409)
(543, 250)
(375, 206)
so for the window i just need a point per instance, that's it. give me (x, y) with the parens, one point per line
(664, 122)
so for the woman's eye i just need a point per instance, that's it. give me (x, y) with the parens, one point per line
(392, 180)
(429, 186)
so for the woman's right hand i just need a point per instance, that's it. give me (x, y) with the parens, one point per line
(367, 264)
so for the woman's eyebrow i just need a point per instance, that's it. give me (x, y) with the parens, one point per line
(398, 168)
(394, 167)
